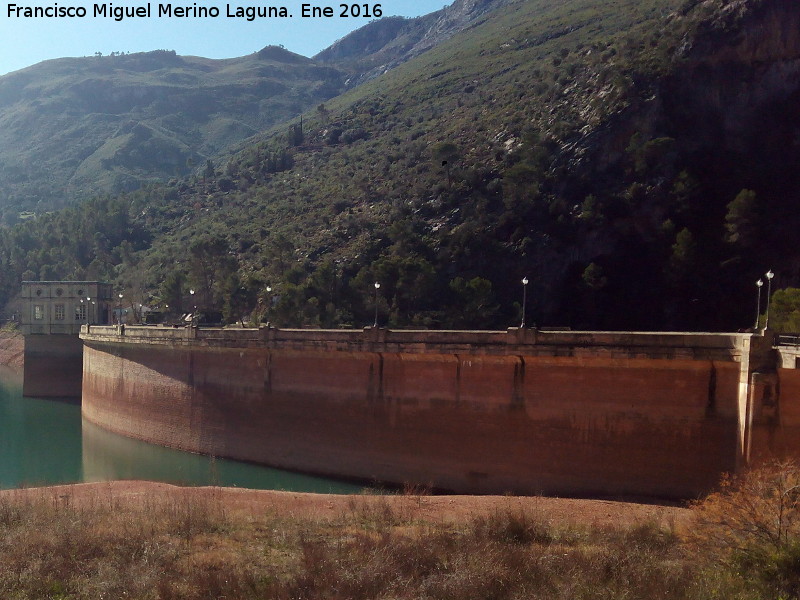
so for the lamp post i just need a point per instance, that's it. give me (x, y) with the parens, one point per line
(769, 275)
(88, 310)
(269, 301)
(377, 287)
(759, 284)
(119, 310)
(194, 309)
(524, 300)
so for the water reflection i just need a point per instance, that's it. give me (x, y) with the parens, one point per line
(107, 456)
(45, 442)
(40, 440)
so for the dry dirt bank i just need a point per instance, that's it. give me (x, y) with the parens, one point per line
(440, 509)
(12, 345)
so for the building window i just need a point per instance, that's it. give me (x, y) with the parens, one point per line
(38, 312)
(59, 312)
(80, 312)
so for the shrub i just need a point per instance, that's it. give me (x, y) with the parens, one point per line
(751, 526)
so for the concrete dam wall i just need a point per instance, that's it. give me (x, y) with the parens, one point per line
(53, 366)
(476, 412)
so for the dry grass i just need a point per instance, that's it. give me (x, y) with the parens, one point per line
(193, 547)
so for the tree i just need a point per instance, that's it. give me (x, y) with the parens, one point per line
(172, 291)
(592, 212)
(682, 276)
(296, 135)
(682, 262)
(742, 220)
(210, 264)
(593, 277)
(287, 307)
(447, 153)
(475, 305)
(521, 180)
(324, 114)
(238, 297)
(408, 286)
(784, 310)
(209, 172)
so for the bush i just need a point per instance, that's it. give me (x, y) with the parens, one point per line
(751, 527)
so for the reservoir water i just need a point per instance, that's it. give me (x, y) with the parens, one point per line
(46, 442)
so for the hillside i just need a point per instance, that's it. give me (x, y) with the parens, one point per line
(635, 160)
(387, 43)
(74, 127)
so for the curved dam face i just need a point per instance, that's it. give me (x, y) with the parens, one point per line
(472, 412)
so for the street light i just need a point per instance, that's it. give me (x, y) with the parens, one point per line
(759, 284)
(769, 275)
(119, 310)
(524, 300)
(89, 310)
(377, 287)
(194, 311)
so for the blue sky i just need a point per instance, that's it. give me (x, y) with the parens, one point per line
(25, 41)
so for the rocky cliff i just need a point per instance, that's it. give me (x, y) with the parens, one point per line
(719, 119)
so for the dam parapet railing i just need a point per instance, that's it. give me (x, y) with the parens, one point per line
(532, 342)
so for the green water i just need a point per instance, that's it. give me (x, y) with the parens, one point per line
(45, 442)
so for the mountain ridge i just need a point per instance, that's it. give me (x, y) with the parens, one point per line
(387, 43)
(75, 117)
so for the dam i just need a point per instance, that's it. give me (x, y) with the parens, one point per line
(489, 412)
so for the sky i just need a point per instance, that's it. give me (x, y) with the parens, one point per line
(27, 40)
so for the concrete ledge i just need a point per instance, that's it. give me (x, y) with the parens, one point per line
(789, 357)
(692, 346)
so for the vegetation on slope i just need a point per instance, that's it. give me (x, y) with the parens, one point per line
(74, 127)
(620, 155)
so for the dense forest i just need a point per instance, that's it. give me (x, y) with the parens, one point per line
(635, 160)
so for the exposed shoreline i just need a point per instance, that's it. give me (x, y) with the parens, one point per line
(12, 350)
(601, 513)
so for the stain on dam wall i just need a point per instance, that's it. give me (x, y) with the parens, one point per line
(461, 413)
(776, 418)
